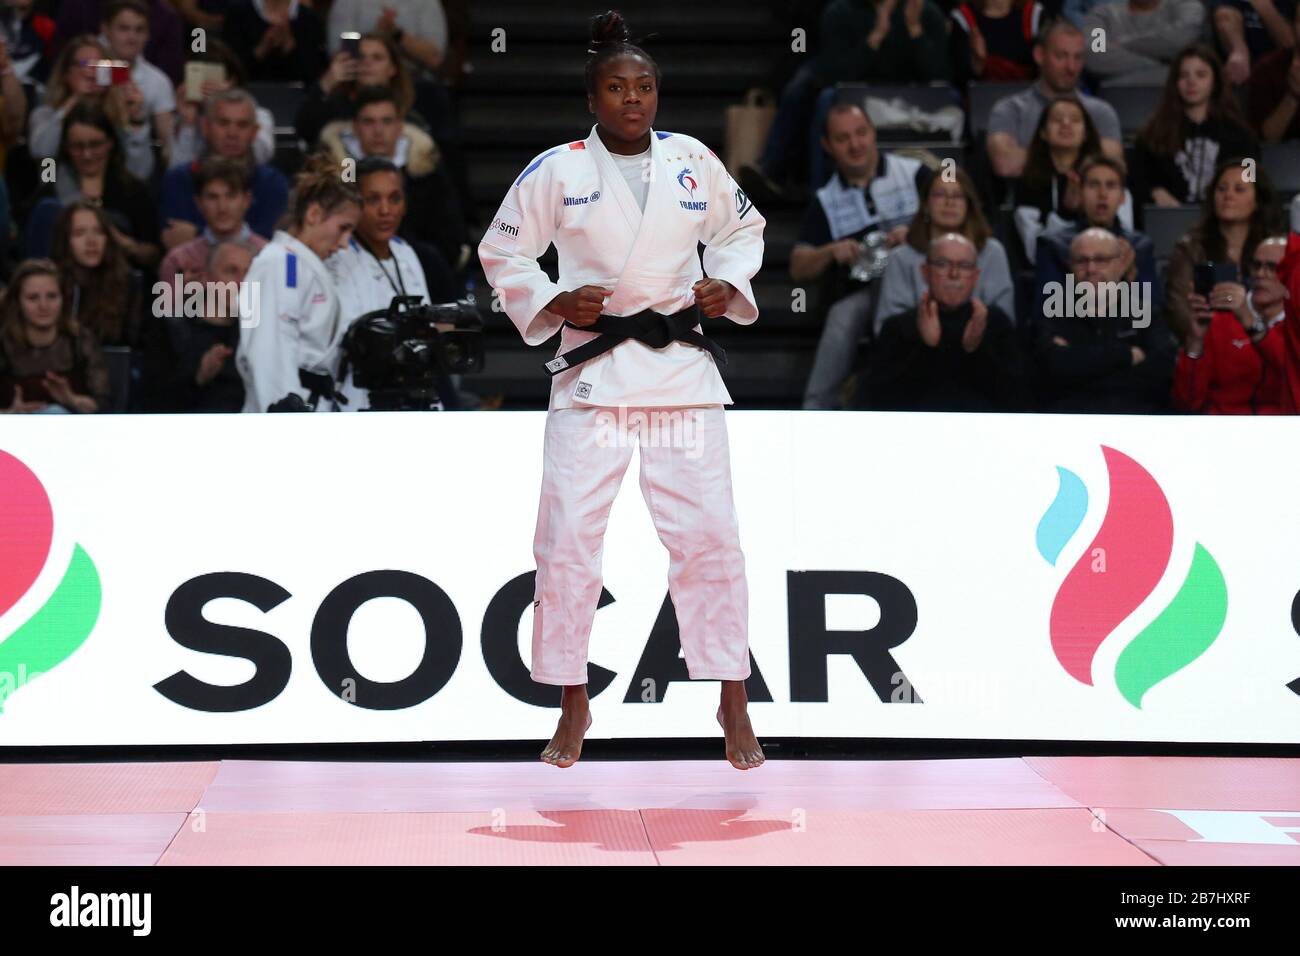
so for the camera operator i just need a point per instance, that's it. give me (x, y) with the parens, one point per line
(377, 265)
(863, 211)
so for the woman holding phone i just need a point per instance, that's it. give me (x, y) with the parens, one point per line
(1240, 210)
(369, 60)
(77, 79)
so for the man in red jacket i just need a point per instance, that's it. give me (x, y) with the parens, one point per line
(1289, 273)
(1233, 359)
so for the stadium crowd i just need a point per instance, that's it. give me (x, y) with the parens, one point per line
(1022, 271)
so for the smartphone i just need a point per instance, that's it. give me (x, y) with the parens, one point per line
(112, 72)
(199, 73)
(1206, 275)
(351, 44)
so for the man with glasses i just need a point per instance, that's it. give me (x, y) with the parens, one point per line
(1097, 351)
(1232, 359)
(953, 352)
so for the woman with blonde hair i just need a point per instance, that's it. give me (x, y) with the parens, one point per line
(287, 354)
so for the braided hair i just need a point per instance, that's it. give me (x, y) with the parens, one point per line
(609, 39)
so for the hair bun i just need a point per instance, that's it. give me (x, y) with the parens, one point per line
(609, 27)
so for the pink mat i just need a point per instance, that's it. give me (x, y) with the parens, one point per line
(1194, 783)
(1175, 853)
(292, 786)
(936, 837)
(999, 811)
(62, 788)
(130, 839)
(516, 837)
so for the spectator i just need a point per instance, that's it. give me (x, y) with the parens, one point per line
(166, 46)
(1014, 121)
(871, 195)
(1288, 273)
(896, 41)
(277, 40)
(1233, 359)
(90, 167)
(28, 36)
(992, 41)
(377, 63)
(945, 207)
(72, 81)
(1103, 196)
(1142, 39)
(48, 361)
(1240, 212)
(188, 144)
(1094, 356)
(206, 379)
(150, 98)
(229, 126)
(952, 352)
(890, 40)
(1249, 29)
(1050, 192)
(417, 27)
(101, 289)
(1196, 122)
(379, 130)
(1274, 92)
(223, 192)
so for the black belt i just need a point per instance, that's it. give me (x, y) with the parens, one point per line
(648, 326)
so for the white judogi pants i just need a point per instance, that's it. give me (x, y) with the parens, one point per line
(686, 483)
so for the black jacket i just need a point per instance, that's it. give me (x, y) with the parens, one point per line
(905, 374)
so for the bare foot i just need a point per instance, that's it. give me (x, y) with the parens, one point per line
(575, 720)
(743, 749)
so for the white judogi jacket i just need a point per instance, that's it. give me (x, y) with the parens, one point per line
(575, 197)
(363, 288)
(296, 323)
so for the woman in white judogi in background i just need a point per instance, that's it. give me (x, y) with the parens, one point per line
(626, 209)
(287, 349)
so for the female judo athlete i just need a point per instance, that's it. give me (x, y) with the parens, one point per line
(626, 209)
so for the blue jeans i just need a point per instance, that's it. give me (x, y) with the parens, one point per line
(793, 112)
(847, 321)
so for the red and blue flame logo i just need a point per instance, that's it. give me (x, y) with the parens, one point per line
(67, 617)
(1119, 570)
